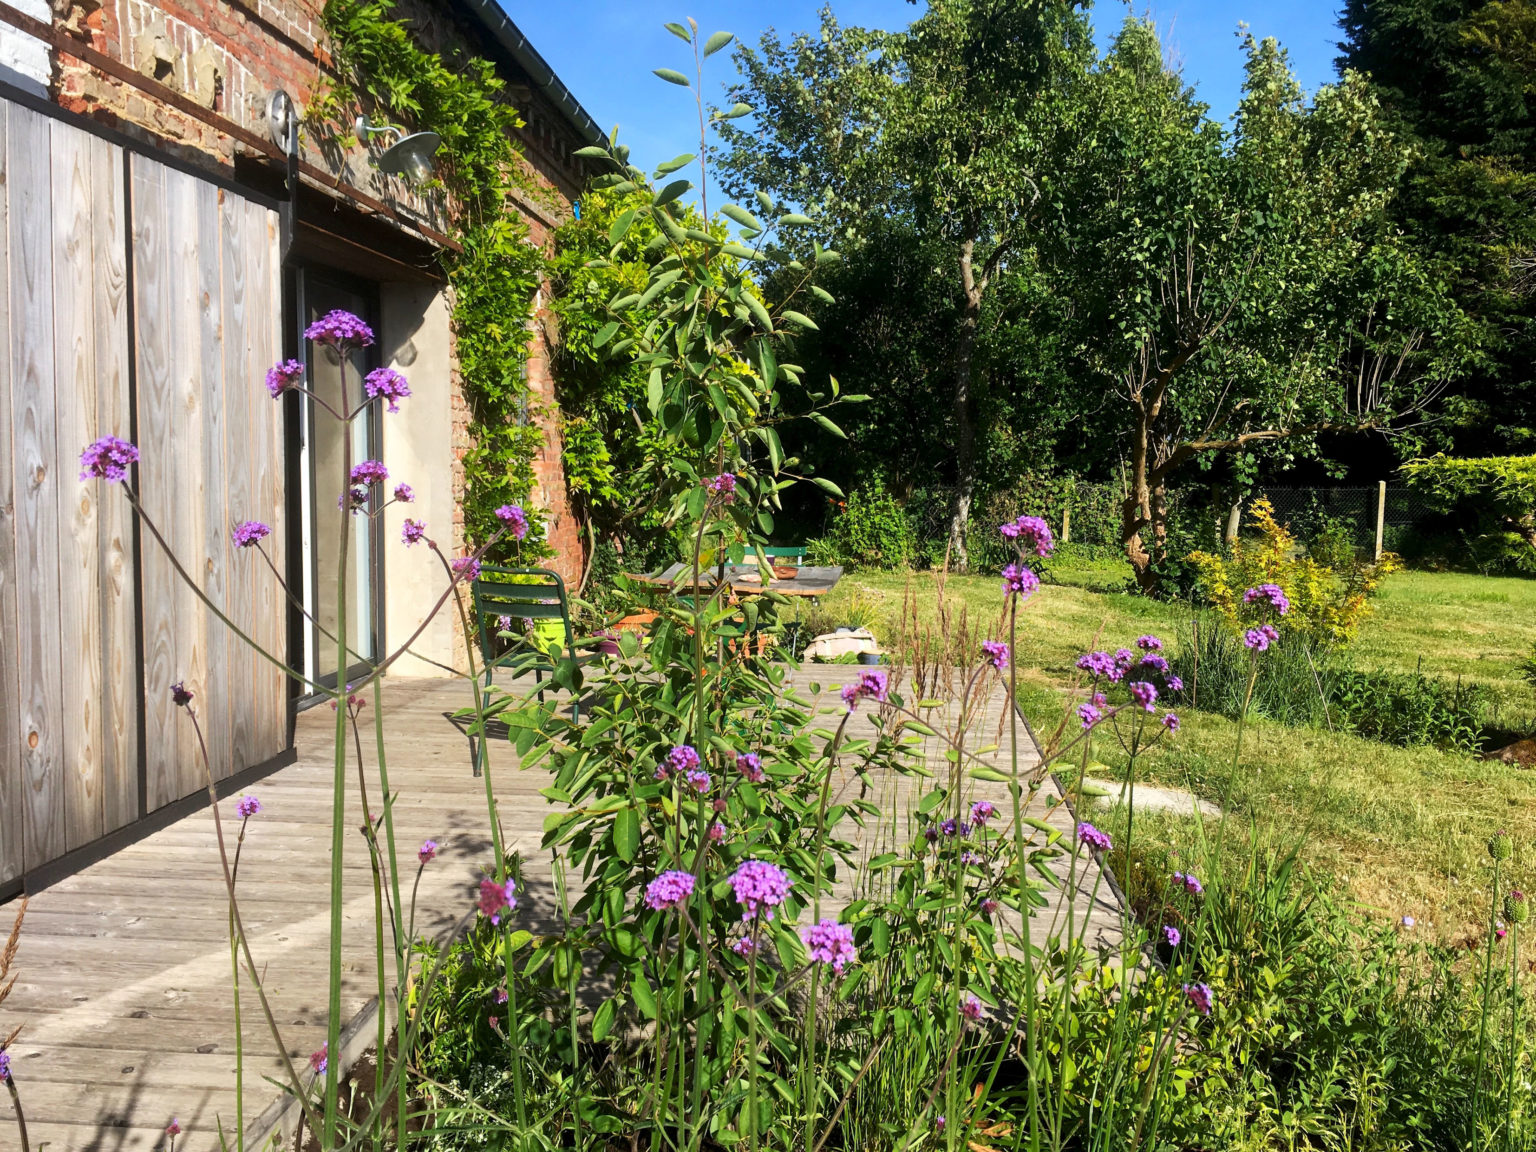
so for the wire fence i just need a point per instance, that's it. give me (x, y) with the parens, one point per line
(1308, 512)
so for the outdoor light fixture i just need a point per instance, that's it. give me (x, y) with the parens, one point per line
(409, 156)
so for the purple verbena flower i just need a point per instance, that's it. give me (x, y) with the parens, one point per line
(427, 852)
(997, 652)
(745, 946)
(716, 832)
(829, 942)
(340, 329)
(249, 533)
(949, 828)
(724, 486)
(971, 1007)
(1171, 934)
(108, 459)
(1149, 643)
(1189, 882)
(1031, 534)
(699, 780)
(1019, 581)
(982, 811)
(284, 375)
(405, 494)
(989, 906)
(669, 890)
(1089, 715)
(497, 898)
(318, 1059)
(171, 1129)
(466, 567)
(1256, 640)
(388, 383)
(247, 806)
(1143, 694)
(750, 765)
(181, 695)
(1173, 684)
(1200, 996)
(682, 760)
(5, 1067)
(970, 857)
(1097, 664)
(413, 531)
(1091, 836)
(501, 996)
(369, 472)
(516, 520)
(354, 499)
(872, 684)
(759, 885)
(1171, 722)
(1157, 664)
(1271, 594)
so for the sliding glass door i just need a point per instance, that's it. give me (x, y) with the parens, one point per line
(324, 453)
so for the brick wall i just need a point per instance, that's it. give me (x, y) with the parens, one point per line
(228, 55)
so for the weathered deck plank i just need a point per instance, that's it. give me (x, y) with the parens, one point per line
(124, 967)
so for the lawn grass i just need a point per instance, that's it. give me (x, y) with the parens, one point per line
(1404, 828)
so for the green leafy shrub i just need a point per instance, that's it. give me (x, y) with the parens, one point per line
(1410, 709)
(1486, 506)
(870, 531)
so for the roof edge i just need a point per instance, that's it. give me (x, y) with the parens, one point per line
(510, 37)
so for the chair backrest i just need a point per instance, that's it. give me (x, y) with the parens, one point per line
(519, 593)
(794, 553)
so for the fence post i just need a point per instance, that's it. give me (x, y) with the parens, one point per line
(1381, 515)
(1066, 523)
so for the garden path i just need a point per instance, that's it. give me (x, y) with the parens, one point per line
(124, 967)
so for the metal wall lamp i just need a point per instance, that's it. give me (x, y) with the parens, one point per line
(409, 156)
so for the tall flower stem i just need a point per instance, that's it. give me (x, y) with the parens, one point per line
(371, 839)
(1514, 1033)
(1482, 1026)
(21, 1120)
(402, 965)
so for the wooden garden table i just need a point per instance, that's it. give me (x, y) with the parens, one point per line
(744, 579)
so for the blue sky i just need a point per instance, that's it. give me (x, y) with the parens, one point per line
(604, 50)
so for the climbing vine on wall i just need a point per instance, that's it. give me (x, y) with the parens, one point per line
(381, 68)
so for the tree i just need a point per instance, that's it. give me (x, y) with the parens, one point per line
(1458, 79)
(941, 127)
(1236, 289)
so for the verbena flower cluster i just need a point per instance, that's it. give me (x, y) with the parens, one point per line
(247, 807)
(1260, 638)
(996, 652)
(1201, 997)
(108, 459)
(284, 375)
(759, 887)
(369, 472)
(750, 765)
(465, 567)
(427, 852)
(724, 486)
(405, 494)
(1019, 581)
(669, 890)
(872, 685)
(497, 899)
(1091, 836)
(248, 533)
(413, 531)
(1271, 594)
(1189, 882)
(1031, 534)
(340, 329)
(1145, 671)
(681, 761)
(181, 695)
(831, 943)
(516, 520)
(389, 384)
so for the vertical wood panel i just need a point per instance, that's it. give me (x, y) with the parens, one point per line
(76, 425)
(36, 470)
(155, 349)
(213, 388)
(270, 687)
(119, 663)
(12, 792)
(246, 571)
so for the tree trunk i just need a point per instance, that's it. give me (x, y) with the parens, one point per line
(965, 428)
(1136, 511)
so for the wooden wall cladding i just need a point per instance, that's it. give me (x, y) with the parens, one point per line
(120, 275)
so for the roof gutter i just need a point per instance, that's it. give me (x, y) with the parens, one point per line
(510, 37)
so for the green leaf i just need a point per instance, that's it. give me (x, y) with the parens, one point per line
(765, 200)
(795, 219)
(800, 318)
(626, 835)
(716, 42)
(675, 163)
(644, 998)
(741, 216)
(828, 487)
(679, 31)
(670, 193)
(620, 227)
(672, 76)
(759, 313)
(826, 424)
(822, 294)
(653, 391)
(740, 251)
(605, 333)
(602, 1020)
(519, 940)
(593, 152)
(737, 111)
(991, 774)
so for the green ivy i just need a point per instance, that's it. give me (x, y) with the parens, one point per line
(380, 67)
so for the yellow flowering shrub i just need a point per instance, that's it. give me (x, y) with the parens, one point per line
(1328, 605)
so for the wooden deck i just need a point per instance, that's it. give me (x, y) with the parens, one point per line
(124, 968)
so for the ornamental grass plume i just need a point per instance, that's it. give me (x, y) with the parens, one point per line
(759, 887)
(669, 890)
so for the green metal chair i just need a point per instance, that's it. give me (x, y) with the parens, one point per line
(791, 553)
(531, 594)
